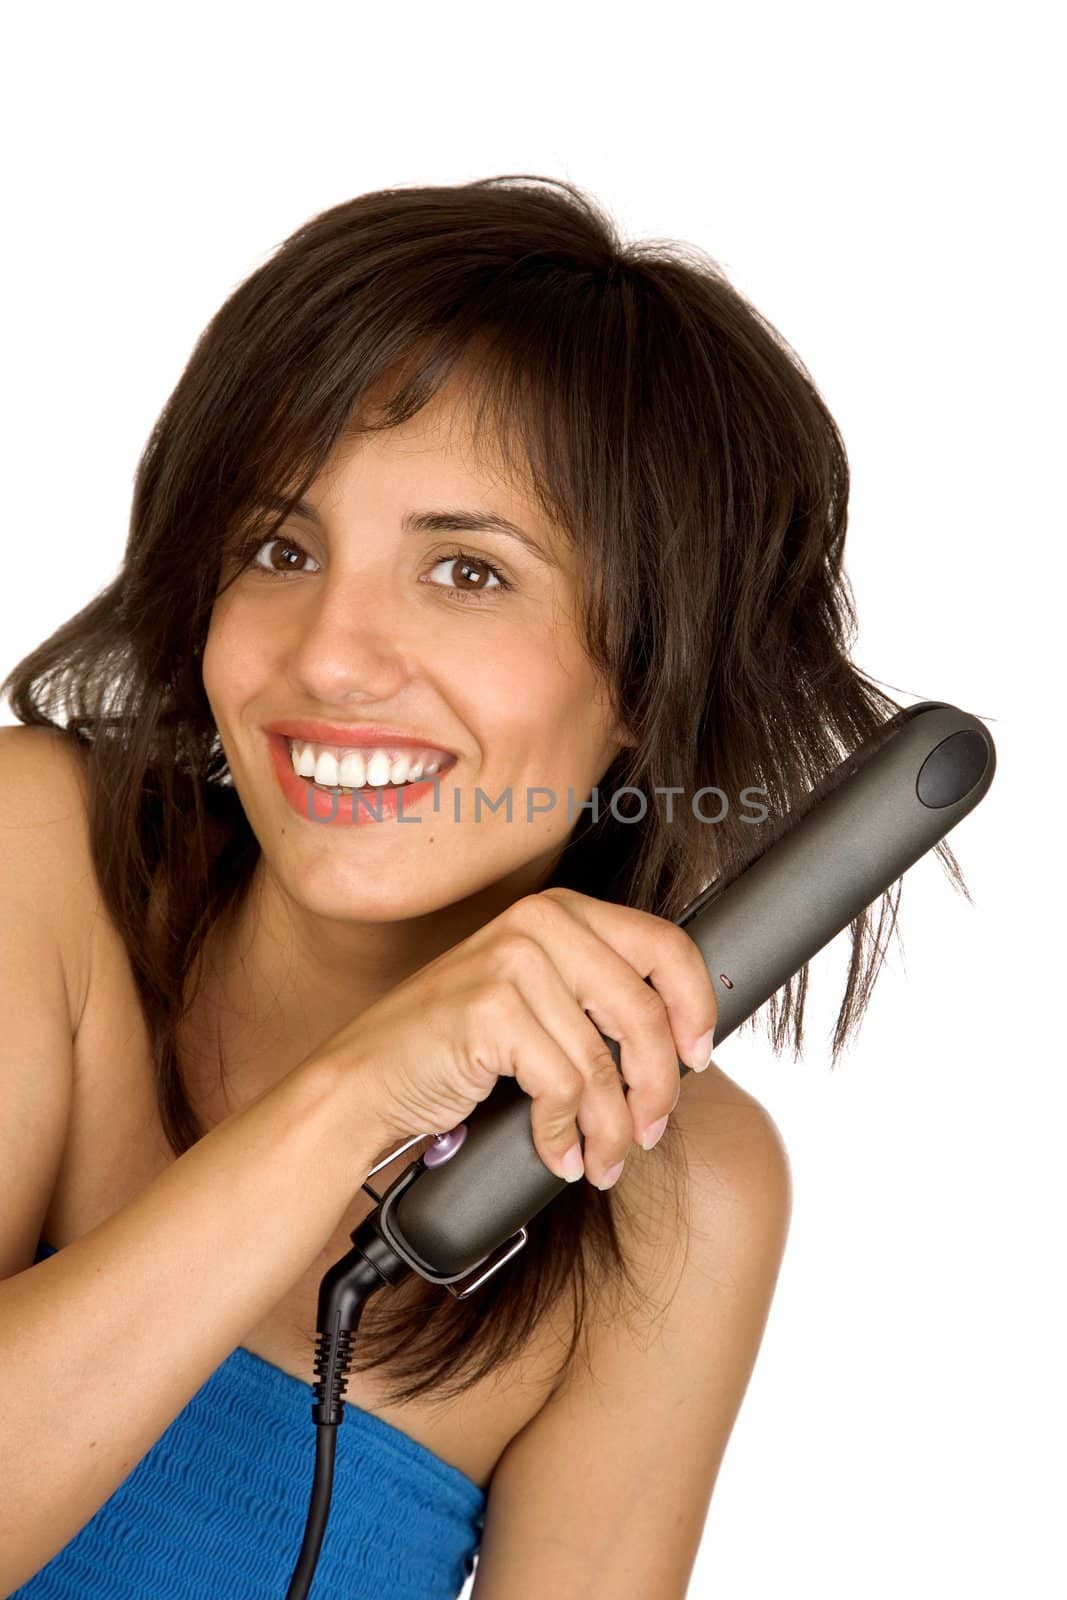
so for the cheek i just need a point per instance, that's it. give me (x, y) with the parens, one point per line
(218, 666)
(209, 662)
(541, 710)
(527, 690)
(235, 659)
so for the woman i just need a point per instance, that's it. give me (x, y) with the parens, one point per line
(458, 478)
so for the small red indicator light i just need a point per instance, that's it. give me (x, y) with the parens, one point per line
(726, 980)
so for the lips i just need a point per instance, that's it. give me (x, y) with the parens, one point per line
(356, 736)
(347, 806)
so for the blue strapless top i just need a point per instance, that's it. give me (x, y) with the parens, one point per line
(216, 1508)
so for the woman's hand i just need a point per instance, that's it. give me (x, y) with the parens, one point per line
(519, 998)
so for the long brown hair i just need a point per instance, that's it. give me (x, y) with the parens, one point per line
(683, 446)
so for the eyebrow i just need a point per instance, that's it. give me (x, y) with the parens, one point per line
(450, 521)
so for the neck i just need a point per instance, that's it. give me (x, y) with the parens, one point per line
(278, 981)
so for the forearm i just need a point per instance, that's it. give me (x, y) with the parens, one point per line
(103, 1344)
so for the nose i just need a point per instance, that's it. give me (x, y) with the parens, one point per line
(350, 643)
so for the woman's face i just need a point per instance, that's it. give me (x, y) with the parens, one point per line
(354, 619)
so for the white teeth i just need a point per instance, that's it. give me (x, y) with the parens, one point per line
(326, 769)
(357, 769)
(353, 772)
(378, 770)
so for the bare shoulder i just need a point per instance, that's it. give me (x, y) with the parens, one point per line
(740, 1192)
(737, 1181)
(24, 748)
(730, 1136)
(44, 840)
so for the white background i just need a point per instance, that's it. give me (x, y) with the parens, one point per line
(885, 186)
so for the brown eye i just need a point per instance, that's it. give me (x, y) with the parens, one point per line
(285, 556)
(475, 576)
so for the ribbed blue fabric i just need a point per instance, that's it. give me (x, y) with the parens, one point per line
(217, 1506)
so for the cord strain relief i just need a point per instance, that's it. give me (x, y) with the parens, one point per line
(332, 1361)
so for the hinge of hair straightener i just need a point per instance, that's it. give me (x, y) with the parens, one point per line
(504, 1252)
(460, 1287)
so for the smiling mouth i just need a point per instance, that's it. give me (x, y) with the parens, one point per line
(354, 770)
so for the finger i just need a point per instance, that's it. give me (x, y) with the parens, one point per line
(604, 1115)
(603, 985)
(660, 952)
(514, 1044)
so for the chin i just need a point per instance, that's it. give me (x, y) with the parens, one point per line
(383, 895)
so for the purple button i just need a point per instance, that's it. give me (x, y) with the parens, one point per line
(444, 1146)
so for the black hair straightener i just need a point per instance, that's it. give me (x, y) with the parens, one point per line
(459, 1212)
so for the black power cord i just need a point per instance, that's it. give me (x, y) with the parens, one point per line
(371, 1264)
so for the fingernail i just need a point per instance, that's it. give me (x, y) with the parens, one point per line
(572, 1166)
(653, 1133)
(702, 1051)
(611, 1176)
